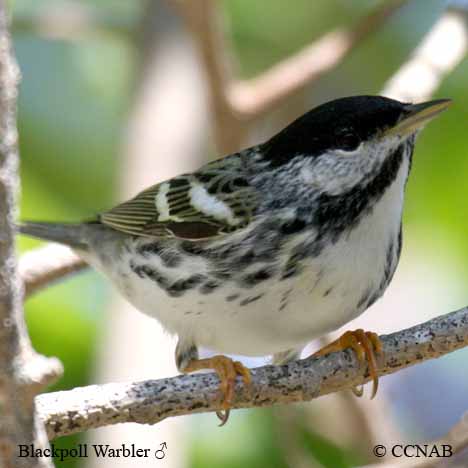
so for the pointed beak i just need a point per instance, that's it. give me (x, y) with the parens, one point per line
(417, 115)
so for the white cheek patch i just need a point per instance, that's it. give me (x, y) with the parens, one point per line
(326, 174)
(337, 171)
(210, 205)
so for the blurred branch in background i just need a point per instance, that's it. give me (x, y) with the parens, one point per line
(23, 373)
(234, 103)
(441, 50)
(151, 401)
(43, 266)
(257, 96)
(71, 21)
(204, 22)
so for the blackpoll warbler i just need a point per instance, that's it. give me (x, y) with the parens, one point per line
(264, 250)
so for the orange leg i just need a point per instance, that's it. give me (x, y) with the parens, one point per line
(227, 371)
(366, 345)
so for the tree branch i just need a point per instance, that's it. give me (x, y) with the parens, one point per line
(43, 266)
(23, 373)
(257, 96)
(441, 50)
(204, 22)
(151, 401)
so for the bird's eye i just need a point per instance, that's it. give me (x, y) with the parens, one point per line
(348, 141)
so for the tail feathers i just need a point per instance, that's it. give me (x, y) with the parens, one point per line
(68, 234)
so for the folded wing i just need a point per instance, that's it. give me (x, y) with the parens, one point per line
(213, 201)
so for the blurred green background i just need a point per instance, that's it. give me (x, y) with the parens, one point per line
(74, 104)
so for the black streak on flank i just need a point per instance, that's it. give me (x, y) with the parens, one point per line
(145, 271)
(209, 287)
(232, 297)
(154, 248)
(222, 275)
(260, 254)
(192, 248)
(310, 249)
(249, 300)
(252, 279)
(176, 289)
(391, 261)
(246, 260)
(180, 287)
(285, 299)
(291, 270)
(293, 266)
(399, 242)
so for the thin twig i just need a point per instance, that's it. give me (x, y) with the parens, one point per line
(257, 96)
(151, 401)
(203, 20)
(41, 267)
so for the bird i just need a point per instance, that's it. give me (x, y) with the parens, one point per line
(264, 250)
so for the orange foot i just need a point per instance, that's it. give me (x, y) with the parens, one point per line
(366, 345)
(227, 371)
